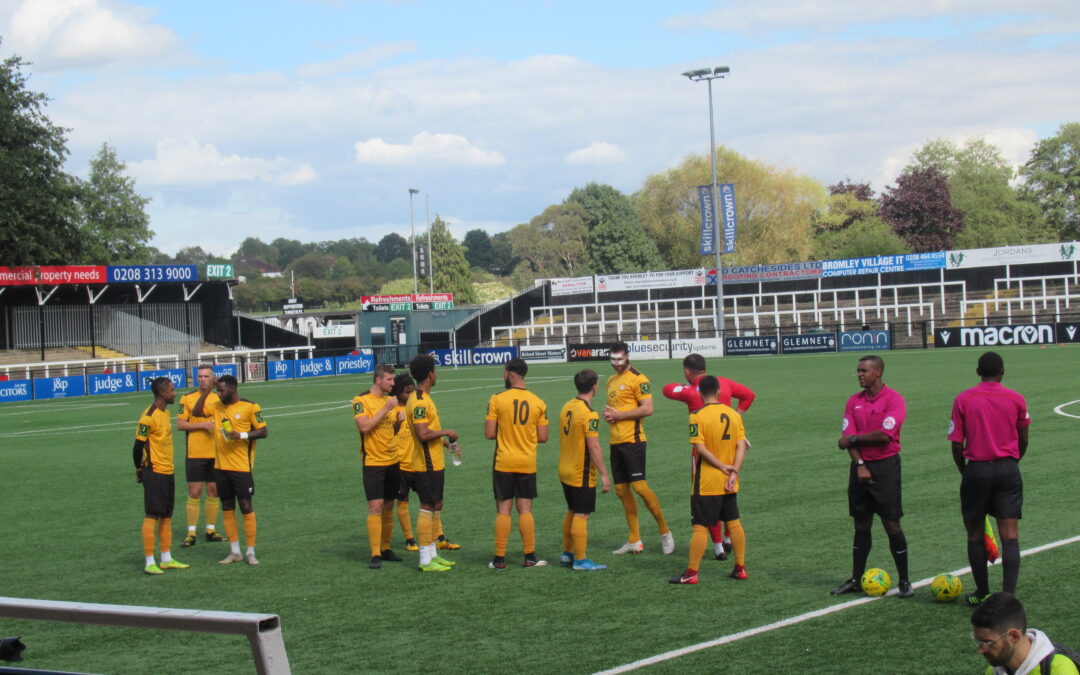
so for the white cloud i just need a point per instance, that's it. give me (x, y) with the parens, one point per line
(78, 33)
(427, 148)
(187, 162)
(365, 59)
(597, 152)
(833, 15)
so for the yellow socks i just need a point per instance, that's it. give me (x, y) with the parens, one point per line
(738, 541)
(698, 541)
(423, 528)
(148, 527)
(192, 513)
(213, 507)
(579, 530)
(567, 531)
(502, 533)
(164, 534)
(652, 502)
(249, 529)
(387, 528)
(232, 528)
(374, 532)
(630, 507)
(527, 528)
(404, 519)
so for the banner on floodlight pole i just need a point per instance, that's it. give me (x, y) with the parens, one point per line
(708, 219)
(727, 214)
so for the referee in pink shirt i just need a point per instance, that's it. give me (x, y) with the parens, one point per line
(871, 435)
(989, 434)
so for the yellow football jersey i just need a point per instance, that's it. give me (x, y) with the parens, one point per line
(626, 391)
(577, 422)
(239, 416)
(426, 455)
(376, 446)
(719, 428)
(402, 441)
(155, 427)
(518, 413)
(201, 444)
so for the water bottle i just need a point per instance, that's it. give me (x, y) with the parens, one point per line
(455, 453)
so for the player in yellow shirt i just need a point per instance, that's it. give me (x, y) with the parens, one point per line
(719, 448)
(241, 423)
(629, 402)
(153, 456)
(201, 445)
(427, 460)
(403, 388)
(380, 455)
(580, 459)
(517, 421)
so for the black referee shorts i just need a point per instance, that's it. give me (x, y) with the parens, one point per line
(992, 488)
(880, 495)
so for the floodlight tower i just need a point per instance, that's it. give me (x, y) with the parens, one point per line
(708, 75)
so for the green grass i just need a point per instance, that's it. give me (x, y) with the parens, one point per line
(72, 513)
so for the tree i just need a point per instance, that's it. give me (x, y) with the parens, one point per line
(774, 209)
(1052, 180)
(616, 242)
(980, 186)
(503, 260)
(192, 255)
(920, 211)
(478, 249)
(38, 200)
(392, 247)
(450, 270)
(553, 243)
(115, 227)
(312, 266)
(851, 226)
(848, 203)
(289, 250)
(253, 247)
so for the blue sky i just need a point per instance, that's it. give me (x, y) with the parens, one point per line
(310, 120)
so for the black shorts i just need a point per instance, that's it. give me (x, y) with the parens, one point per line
(200, 470)
(234, 485)
(880, 495)
(991, 488)
(429, 486)
(708, 510)
(627, 462)
(382, 482)
(406, 482)
(511, 485)
(159, 493)
(579, 499)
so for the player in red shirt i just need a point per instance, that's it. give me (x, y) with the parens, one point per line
(693, 371)
(989, 434)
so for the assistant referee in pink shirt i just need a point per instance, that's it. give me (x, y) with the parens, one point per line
(989, 434)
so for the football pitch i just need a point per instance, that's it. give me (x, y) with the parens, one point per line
(71, 513)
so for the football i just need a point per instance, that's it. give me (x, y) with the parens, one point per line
(946, 588)
(876, 582)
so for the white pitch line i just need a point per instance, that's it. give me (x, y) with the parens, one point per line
(734, 637)
(1059, 410)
